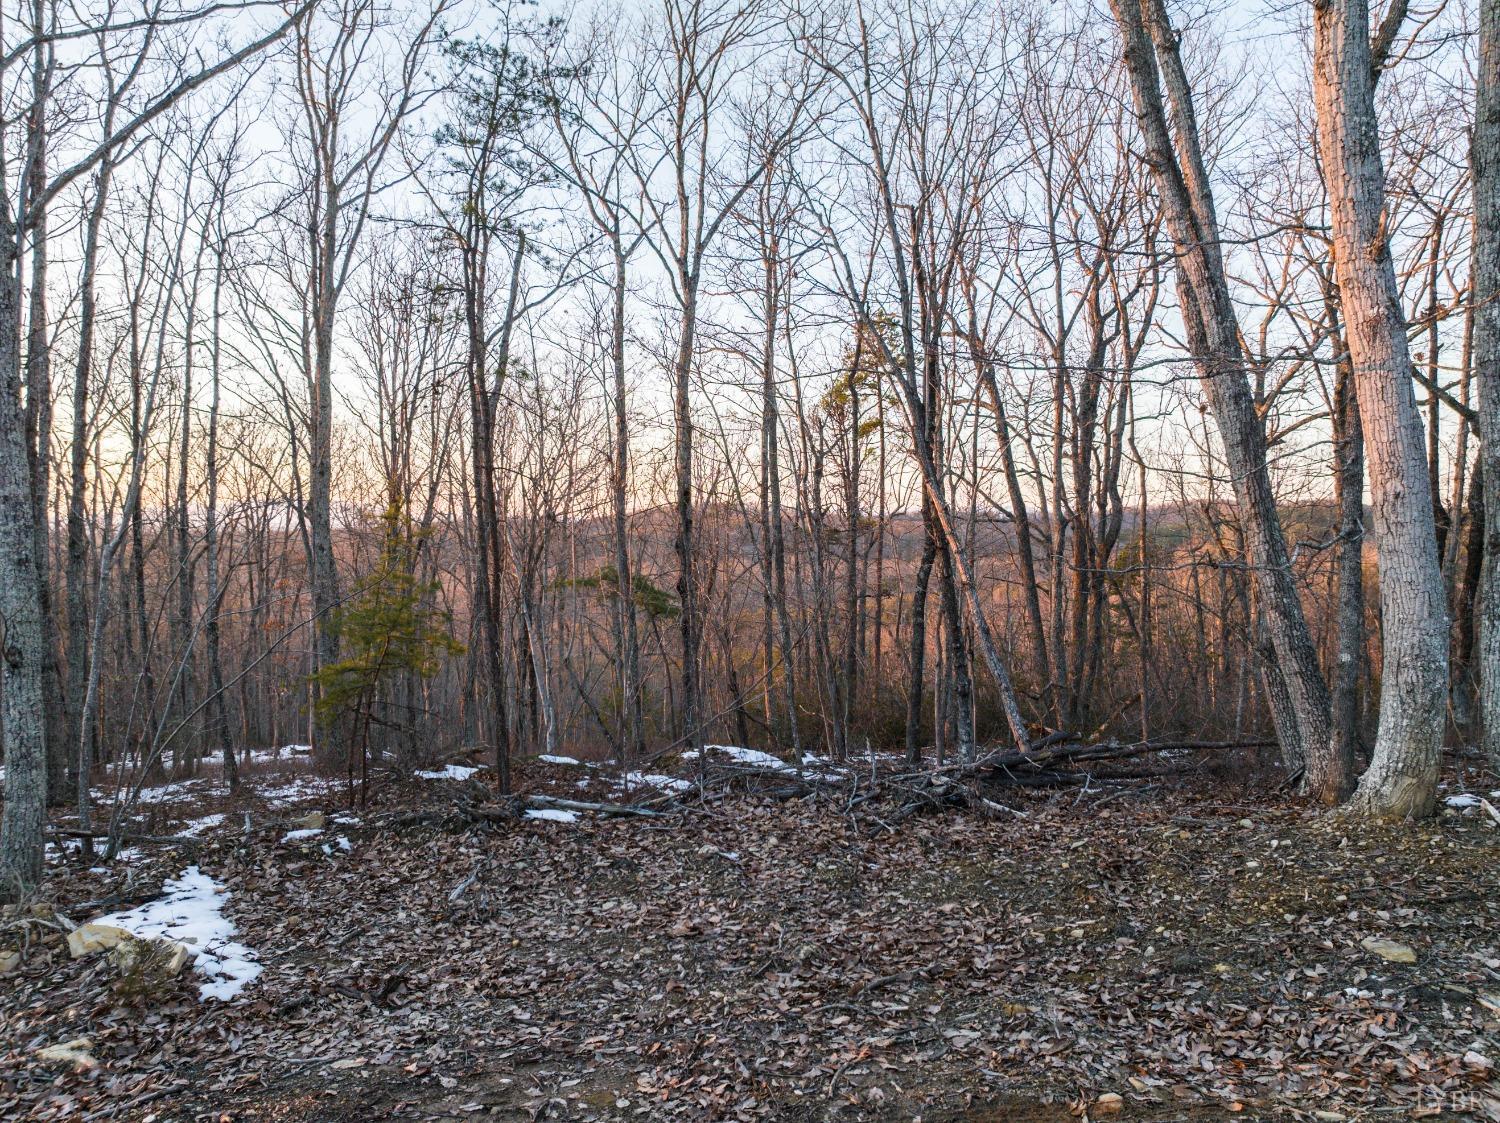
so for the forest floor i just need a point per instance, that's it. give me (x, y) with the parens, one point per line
(1152, 955)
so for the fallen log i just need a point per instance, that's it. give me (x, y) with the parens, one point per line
(128, 836)
(581, 805)
(1111, 750)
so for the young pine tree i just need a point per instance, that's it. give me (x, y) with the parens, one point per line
(389, 629)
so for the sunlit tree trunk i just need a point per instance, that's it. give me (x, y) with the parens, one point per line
(1402, 778)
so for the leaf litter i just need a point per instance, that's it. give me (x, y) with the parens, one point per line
(761, 957)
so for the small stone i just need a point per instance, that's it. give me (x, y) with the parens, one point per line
(9, 961)
(1389, 950)
(1478, 1061)
(1109, 1103)
(89, 938)
(76, 1053)
(1247, 822)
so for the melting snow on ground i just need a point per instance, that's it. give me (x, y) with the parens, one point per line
(753, 757)
(553, 815)
(1463, 800)
(198, 826)
(309, 788)
(168, 793)
(651, 780)
(813, 767)
(301, 835)
(450, 772)
(266, 756)
(549, 758)
(341, 842)
(191, 913)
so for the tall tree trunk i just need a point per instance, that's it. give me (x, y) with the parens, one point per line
(185, 750)
(323, 572)
(687, 593)
(1485, 161)
(775, 550)
(1036, 630)
(218, 715)
(1349, 492)
(39, 401)
(22, 641)
(633, 744)
(76, 560)
(1402, 778)
(916, 663)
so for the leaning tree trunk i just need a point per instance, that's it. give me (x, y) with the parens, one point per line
(1402, 778)
(1181, 178)
(1485, 160)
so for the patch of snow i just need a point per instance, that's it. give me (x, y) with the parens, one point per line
(191, 913)
(341, 842)
(552, 815)
(449, 772)
(198, 826)
(310, 787)
(1463, 800)
(652, 780)
(823, 769)
(52, 853)
(549, 758)
(300, 835)
(814, 767)
(753, 757)
(167, 793)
